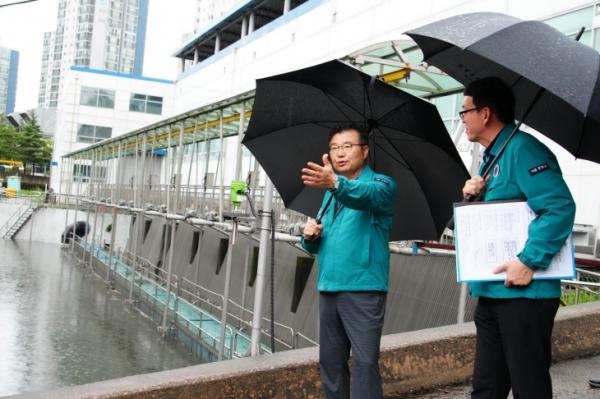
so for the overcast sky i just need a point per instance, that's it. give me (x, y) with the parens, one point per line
(22, 28)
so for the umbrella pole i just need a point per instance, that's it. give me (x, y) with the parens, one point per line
(262, 267)
(510, 136)
(322, 212)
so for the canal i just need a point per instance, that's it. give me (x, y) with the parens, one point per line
(61, 326)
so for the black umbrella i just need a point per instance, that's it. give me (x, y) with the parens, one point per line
(294, 112)
(555, 73)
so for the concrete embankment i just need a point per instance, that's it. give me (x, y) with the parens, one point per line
(409, 361)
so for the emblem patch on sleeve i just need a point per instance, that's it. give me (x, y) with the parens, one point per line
(382, 180)
(538, 169)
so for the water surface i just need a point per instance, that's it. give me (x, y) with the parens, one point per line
(61, 326)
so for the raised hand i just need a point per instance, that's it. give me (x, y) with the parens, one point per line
(315, 175)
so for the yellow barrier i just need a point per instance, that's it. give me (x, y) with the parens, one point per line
(11, 162)
(11, 193)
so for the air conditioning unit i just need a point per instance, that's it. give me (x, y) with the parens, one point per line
(584, 238)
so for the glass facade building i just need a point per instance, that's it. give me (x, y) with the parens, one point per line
(9, 65)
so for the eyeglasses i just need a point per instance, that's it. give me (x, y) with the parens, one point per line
(462, 113)
(346, 147)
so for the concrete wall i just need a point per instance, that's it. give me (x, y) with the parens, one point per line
(423, 291)
(409, 361)
(47, 225)
(202, 268)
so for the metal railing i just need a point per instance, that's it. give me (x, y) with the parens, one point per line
(211, 308)
(205, 200)
(209, 303)
(26, 205)
(142, 272)
(585, 287)
(212, 302)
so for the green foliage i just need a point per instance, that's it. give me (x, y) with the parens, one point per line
(25, 144)
(8, 141)
(569, 298)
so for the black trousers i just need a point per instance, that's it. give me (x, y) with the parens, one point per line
(351, 320)
(513, 348)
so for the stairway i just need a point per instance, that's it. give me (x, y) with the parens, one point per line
(23, 216)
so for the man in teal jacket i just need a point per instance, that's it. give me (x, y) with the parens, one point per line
(514, 318)
(353, 259)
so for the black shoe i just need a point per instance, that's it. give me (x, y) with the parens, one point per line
(595, 383)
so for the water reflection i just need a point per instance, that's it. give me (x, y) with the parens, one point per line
(60, 326)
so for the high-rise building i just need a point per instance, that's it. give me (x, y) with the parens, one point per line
(9, 65)
(208, 11)
(100, 34)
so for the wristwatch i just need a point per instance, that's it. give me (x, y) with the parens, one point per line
(336, 183)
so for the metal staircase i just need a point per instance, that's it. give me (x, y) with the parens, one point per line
(17, 220)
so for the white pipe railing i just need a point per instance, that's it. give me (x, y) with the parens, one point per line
(14, 218)
(193, 294)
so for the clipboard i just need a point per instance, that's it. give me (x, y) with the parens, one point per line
(488, 234)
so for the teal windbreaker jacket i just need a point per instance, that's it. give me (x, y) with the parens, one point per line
(528, 170)
(353, 250)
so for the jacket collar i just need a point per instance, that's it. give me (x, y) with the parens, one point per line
(499, 141)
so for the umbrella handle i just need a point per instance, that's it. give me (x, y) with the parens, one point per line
(320, 216)
(581, 30)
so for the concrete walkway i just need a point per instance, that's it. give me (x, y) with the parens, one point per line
(570, 381)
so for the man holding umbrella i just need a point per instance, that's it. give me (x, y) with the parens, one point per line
(292, 120)
(353, 257)
(514, 318)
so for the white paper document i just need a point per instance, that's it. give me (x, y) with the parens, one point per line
(488, 234)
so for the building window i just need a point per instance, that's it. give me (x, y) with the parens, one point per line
(93, 134)
(144, 103)
(83, 172)
(448, 107)
(95, 97)
(569, 23)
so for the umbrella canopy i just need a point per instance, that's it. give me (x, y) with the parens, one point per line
(294, 112)
(528, 55)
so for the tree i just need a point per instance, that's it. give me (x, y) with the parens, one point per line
(8, 141)
(34, 149)
(25, 144)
